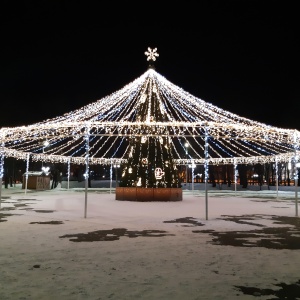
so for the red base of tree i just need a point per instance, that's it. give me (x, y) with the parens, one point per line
(141, 194)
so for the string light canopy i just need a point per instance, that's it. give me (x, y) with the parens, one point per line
(176, 116)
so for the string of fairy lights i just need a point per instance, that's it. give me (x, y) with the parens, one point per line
(112, 120)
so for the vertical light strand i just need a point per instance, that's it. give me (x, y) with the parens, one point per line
(193, 175)
(1, 168)
(296, 173)
(27, 170)
(68, 174)
(110, 176)
(86, 175)
(235, 174)
(186, 165)
(276, 171)
(206, 172)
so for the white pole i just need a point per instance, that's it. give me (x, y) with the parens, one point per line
(86, 168)
(0, 187)
(116, 166)
(110, 174)
(235, 175)
(27, 171)
(186, 176)
(296, 189)
(1, 169)
(296, 173)
(206, 172)
(276, 170)
(296, 194)
(193, 171)
(186, 166)
(116, 170)
(69, 173)
(43, 156)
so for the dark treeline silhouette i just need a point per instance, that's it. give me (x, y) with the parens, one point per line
(218, 175)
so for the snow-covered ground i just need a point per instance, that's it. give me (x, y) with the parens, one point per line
(69, 244)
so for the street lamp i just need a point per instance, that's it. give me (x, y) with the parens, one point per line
(186, 167)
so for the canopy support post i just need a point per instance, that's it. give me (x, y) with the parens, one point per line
(276, 169)
(235, 175)
(296, 173)
(206, 172)
(27, 171)
(86, 175)
(69, 173)
(1, 168)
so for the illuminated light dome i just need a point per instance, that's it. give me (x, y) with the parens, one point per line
(150, 106)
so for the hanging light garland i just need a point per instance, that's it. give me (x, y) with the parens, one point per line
(113, 120)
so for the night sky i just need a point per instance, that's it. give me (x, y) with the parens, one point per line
(57, 56)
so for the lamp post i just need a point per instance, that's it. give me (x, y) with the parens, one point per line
(186, 167)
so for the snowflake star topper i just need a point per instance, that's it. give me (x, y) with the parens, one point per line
(151, 54)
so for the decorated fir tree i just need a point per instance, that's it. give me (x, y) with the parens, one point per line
(149, 156)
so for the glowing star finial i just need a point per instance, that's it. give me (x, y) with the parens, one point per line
(151, 54)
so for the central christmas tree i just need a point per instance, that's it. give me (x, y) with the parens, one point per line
(149, 156)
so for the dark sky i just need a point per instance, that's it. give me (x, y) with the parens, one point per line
(57, 56)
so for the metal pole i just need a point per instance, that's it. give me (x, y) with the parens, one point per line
(43, 157)
(186, 176)
(206, 172)
(296, 194)
(186, 166)
(69, 173)
(276, 170)
(1, 169)
(116, 175)
(193, 171)
(235, 175)
(1, 182)
(110, 174)
(296, 174)
(27, 170)
(45, 144)
(87, 137)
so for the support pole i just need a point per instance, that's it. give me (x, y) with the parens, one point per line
(235, 175)
(69, 173)
(110, 175)
(276, 170)
(116, 170)
(186, 166)
(193, 175)
(26, 173)
(296, 195)
(296, 140)
(86, 175)
(206, 172)
(1, 169)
